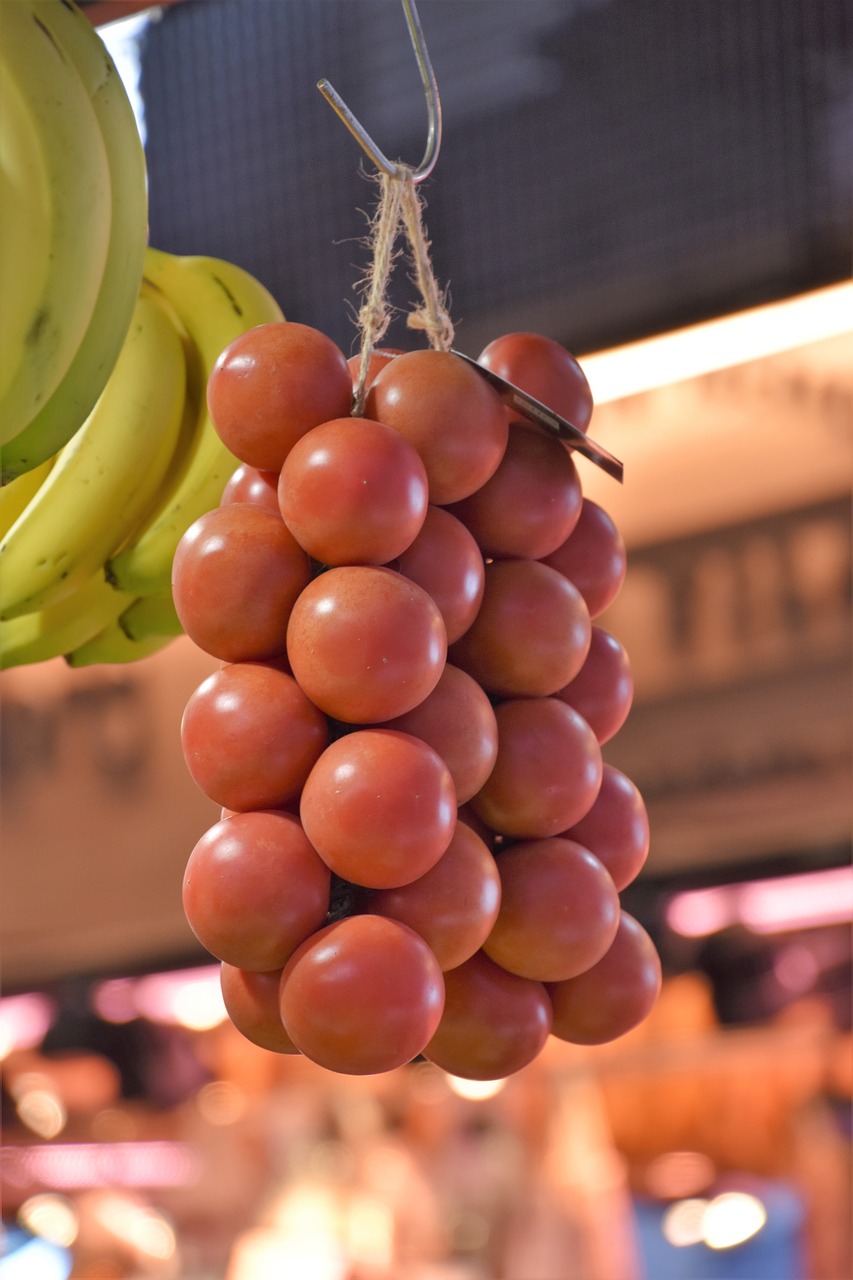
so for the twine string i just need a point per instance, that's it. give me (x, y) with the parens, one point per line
(400, 209)
(432, 316)
(374, 315)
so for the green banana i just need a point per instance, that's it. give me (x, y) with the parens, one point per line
(216, 301)
(113, 645)
(74, 397)
(15, 497)
(151, 617)
(44, 333)
(61, 628)
(107, 477)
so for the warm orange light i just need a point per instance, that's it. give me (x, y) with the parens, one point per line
(719, 344)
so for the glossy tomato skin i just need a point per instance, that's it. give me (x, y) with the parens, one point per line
(251, 1001)
(454, 905)
(445, 560)
(380, 807)
(254, 888)
(532, 502)
(457, 720)
(531, 634)
(548, 766)
(271, 385)
(494, 1022)
(248, 484)
(449, 413)
(559, 910)
(612, 997)
(593, 557)
(250, 736)
(365, 643)
(616, 828)
(603, 689)
(353, 491)
(362, 996)
(545, 370)
(236, 574)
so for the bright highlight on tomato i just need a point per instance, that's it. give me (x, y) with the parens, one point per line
(421, 850)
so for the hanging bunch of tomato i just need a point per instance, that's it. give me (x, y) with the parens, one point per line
(421, 850)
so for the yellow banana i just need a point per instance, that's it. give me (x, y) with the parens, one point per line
(46, 332)
(61, 628)
(16, 496)
(25, 223)
(151, 617)
(108, 475)
(113, 645)
(67, 407)
(216, 301)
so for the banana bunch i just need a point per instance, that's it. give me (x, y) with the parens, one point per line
(73, 226)
(87, 537)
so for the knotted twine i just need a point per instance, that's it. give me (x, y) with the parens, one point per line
(399, 213)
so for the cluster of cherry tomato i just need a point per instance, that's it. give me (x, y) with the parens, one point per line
(421, 849)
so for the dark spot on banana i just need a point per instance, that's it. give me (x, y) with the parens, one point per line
(40, 321)
(229, 295)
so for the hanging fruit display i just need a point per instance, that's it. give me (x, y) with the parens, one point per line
(421, 849)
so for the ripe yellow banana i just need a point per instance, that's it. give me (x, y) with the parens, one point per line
(25, 224)
(105, 480)
(113, 645)
(216, 301)
(44, 333)
(15, 497)
(63, 412)
(151, 617)
(61, 628)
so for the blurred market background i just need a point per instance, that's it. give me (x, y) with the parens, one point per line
(665, 188)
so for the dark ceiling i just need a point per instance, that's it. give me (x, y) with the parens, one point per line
(609, 168)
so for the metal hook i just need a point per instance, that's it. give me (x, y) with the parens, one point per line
(428, 80)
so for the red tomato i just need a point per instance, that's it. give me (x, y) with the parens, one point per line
(379, 807)
(248, 484)
(612, 997)
(236, 574)
(545, 370)
(532, 502)
(453, 906)
(271, 385)
(559, 910)
(616, 828)
(251, 1000)
(250, 736)
(549, 766)
(379, 357)
(254, 889)
(445, 560)
(603, 689)
(531, 633)
(365, 643)
(457, 720)
(593, 557)
(353, 491)
(494, 1023)
(362, 996)
(449, 413)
